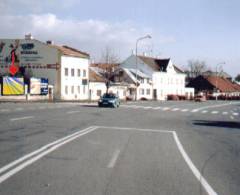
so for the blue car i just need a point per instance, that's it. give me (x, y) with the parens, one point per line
(109, 100)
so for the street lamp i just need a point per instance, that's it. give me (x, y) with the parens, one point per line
(139, 39)
(217, 66)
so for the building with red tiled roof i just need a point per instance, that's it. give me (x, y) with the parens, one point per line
(66, 68)
(211, 84)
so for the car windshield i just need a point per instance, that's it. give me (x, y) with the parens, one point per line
(109, 95)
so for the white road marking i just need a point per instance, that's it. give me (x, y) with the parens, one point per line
(184, 110)
(235, 114)
(218, 105)
(175, 109)
(225, 113)
(205, 111)
(148, 107)
(72, 112)
(195, 110)
(21, 118)
(19, 109)
(193, 168)
(184, 154)
(36, 155)
(215, 112)
(166, 108)
(157, 108)
(232, 117)
(114, 158)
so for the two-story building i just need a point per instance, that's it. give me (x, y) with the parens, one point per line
(65, 68)
(167, 79)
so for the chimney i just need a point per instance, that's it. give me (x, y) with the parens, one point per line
(28, 36)
(49, 42)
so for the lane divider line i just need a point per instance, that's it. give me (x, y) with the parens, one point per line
(114, 158)
(41, 150)
(21, 118)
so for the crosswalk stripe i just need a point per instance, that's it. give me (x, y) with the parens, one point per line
(215, 112)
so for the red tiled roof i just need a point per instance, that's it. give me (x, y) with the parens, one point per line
(94, 77)
(66, 50)
(224, 85)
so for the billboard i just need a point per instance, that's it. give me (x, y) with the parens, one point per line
(38, 86)
(13, 86)
(35, 86)
(27, 52)
(44, 86)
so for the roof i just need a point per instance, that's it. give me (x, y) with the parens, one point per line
(69, 51)
(159, 64)
(95, 76)
(132, 74)
(201, 83)
(155, 63)
(221, 83)
(105, 66)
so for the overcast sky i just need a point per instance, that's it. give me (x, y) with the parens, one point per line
(189, 29)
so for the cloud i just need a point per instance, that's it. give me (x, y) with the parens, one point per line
(88, 35)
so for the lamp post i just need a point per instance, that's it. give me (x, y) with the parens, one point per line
(139, 39)
(217, 66)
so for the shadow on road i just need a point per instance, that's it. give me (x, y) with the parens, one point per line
(90, 106)
(224, 124)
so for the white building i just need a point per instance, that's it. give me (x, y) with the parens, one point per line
(141, 83)
(97, 85)
(166, 78)
(66, 68)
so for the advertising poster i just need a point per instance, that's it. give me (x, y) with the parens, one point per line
(44, 86)
(13, 86)
(35, 86)
(27, 52)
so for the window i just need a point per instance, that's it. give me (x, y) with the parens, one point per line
(79, 90)
(66, 89)
(141, 91)
(79, 72)
(72, 89)
(99, 92)
(148, 91)
(72, 72)
(141, 80)
(84, 73)
(66, 71)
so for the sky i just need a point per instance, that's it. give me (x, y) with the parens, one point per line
(205, 30)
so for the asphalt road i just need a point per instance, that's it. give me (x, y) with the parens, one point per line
(140, 148)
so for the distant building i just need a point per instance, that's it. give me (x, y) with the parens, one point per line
(166, 78)
(215, 85)
(98, 78)
(66, 68)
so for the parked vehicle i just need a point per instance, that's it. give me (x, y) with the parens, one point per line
(109, 100)
(200, 98)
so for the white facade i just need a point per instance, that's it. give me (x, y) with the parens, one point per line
(166, 84)
(96, 90)
(74, 71)
(168, 81)
(145, 90)
(43, 60)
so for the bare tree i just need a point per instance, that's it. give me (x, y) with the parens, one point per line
(109, 56)
(109, 60)
(196, 67)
